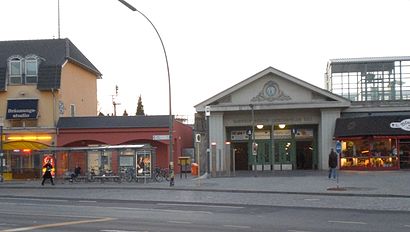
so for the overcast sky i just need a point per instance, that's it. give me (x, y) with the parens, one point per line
(211, 44)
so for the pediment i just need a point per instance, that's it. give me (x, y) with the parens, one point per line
(272, 88)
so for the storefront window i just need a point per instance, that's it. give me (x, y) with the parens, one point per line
(369, 154)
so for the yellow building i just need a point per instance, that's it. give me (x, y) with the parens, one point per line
(40, 81)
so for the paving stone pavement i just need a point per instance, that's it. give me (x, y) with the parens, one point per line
(360, 183)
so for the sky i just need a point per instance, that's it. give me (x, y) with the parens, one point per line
(211, 45)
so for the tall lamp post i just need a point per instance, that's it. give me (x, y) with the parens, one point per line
(171, 163)
(254, 145)
(1, 148)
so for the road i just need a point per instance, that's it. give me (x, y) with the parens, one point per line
(24, 213)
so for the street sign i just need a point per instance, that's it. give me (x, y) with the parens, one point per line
(338, 147)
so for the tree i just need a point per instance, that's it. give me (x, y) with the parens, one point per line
(140, 107)
(125, 113)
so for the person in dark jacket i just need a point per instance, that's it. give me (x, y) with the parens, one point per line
(47, 173)
(332, 164)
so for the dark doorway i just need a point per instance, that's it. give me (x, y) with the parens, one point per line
(404, 151)
(241, 156)
(304, 154)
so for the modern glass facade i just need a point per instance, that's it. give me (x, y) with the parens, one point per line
(373, 79)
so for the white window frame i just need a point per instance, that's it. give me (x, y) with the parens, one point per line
(72, 110)
(31, 78)
(19, 76)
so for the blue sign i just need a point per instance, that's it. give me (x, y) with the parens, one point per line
(22, 109)
(338, 147)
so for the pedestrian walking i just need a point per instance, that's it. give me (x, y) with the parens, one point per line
(47, 174)
(332, 163)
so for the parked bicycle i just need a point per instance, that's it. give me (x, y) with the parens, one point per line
(91, 175)
(160, 174)
(128, 174)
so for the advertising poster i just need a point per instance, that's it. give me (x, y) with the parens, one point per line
(52, 160)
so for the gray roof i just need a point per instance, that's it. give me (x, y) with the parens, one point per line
(53, 53)
(100, 122)
(370, 59)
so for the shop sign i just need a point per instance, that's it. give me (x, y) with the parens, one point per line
(160, 137)
(22, 109)
(303, 133)
(282, 134)
(239, 135)
(404, 125)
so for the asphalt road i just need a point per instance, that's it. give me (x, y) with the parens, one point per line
(110, 215)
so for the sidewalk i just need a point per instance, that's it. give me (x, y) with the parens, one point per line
(362, 183)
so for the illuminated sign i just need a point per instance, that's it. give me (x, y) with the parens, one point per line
(404, 124)
(22, 109)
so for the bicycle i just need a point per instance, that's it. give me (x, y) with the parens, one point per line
(160, 174)
(128, 174)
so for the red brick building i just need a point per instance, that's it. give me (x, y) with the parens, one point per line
(77, 132)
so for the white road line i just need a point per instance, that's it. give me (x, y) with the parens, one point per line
(209, 206)
(299, 231)
(87, 201)
(406, 225)
(237, 226)
(311, 199)
(180, 222)
(34, 199)
(348, 222)
(57, 225)
(123, 230)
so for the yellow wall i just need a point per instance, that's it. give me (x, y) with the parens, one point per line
(78, 87)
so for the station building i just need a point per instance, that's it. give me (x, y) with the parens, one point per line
(275, 121)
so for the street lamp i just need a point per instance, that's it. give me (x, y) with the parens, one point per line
(171, 163)
(1, 148)
(254, 145)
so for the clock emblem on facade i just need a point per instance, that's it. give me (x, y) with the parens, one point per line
(271, 92)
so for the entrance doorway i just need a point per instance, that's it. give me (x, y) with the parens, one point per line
(285, 155)
(304, 154)
(404, 151)
(241, 156)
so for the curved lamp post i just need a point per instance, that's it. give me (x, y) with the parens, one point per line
(171, 163)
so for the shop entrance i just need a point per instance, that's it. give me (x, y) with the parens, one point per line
(285, 158)
(404, 151)
(264, 153)
(304, 154)
(241, 156)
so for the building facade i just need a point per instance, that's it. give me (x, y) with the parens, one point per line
(270, 121)
(119, 132)
(374, 132)
(40, 81)
(274, 121)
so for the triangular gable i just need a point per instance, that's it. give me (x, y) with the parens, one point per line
(272, 87)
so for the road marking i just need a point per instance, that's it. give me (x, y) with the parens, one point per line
(348, 222)
(406, 225)
(299, 231)
(238, 227)
(180, 222)
(124, 230)
(34, 199)
(60, 224)
(209, 206)
(311, 199)
(84, 201)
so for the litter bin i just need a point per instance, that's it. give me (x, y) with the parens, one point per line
(194, 169)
